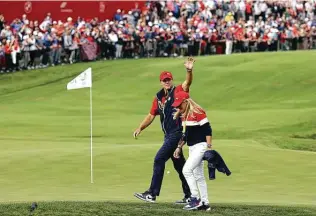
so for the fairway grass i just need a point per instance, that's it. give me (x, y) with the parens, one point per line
(60, 171)
(262, 109)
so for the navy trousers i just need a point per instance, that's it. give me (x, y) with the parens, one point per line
(163, 155)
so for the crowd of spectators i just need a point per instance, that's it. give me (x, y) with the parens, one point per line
(160, 29)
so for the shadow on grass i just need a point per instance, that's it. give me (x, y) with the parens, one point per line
(311, 136)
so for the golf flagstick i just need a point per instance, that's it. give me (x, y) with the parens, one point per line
(84, 80)
(91, 146)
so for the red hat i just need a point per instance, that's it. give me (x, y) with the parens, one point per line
(180, 97)
(165, 75)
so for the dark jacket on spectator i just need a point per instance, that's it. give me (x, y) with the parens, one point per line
(215, 161)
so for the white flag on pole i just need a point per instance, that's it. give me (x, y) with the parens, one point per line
(83, 80)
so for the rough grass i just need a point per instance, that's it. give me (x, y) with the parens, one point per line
(134, 209)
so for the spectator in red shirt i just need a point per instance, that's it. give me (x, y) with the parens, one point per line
(248, 9)
(8, 50)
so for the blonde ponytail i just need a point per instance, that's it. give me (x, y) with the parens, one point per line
(192, 107)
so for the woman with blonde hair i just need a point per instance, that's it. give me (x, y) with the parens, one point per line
(198, 136)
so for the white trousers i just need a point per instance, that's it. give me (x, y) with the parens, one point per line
(13, 55)
(118, 53)
(193, 171)
(229, 47)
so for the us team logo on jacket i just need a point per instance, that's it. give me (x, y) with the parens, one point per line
(174, 111)
(160, 105)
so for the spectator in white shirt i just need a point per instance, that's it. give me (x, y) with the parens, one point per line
(48, 18)
(25, 20)
(242, 9)
(206, 13)
(6, 32)
(257, 10)
(33, 48)
(113, 39)
(263, 8)
(44, 25)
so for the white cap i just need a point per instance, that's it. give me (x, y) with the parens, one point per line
(150, 24)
